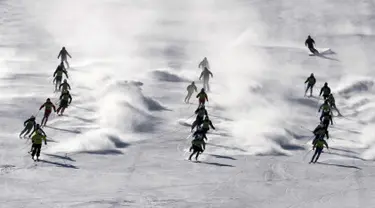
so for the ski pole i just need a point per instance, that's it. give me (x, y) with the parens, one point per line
(304, 157)
(36, 115)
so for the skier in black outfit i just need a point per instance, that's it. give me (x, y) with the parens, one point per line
(320, 131)
(327, 118)
(310, 44)
(29, 124)
(310, 83)
(201, 112)
(325, 90)
(318, 145)
(198, 145)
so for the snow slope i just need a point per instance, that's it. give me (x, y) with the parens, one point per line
(125, 138)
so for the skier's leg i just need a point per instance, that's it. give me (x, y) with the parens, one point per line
(311, 90)
(44, 118)
(58, 109)
(38, 149)
(191, 155)
(23, 131)
(307, 88)
(62, 110)
(196, 156)
(316, 152)
(67, 63)
(28, 131)
(319, 150)
(45, 122)
(33, 150)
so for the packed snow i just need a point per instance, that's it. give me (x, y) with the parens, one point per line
(124, 141)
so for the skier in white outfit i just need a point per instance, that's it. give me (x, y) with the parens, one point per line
(191, 88)
(204, 64)
(206, 77)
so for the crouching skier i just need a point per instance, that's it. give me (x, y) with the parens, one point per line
(202, 97)
(38, 136)
(198, 145)
(201, 112)
(191, 88)
(310, 84)
(65, 100)
(48, 105)
(319, 145)
(332, 103)
(29, 124)
(325, 108)
(320, 131)
(206, 125)
(325, 90)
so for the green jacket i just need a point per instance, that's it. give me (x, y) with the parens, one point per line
(320, 144)
(38, 138)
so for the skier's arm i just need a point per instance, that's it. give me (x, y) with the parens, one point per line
(45, 139)
(205, 112)
(206, 97)
(54, 74)
(211, 73)
(68, 54)
(195, 88)
(321, 91)
(66, 74)
(307, 80)
(27, 121)
(200, 64)
(327, 135)
(60, 86)
(330, 118)
(54, 108)
(320, 108)
(200, 77)
(70, 97)
(198, 95)
(59, 55)
(212, 125)
(61, 96)
(69, 87)
(205, 137)
(325, 143)
(42, 106)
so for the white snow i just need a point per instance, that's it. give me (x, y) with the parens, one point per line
(124, 140)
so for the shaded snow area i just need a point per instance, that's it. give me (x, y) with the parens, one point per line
(124, 141)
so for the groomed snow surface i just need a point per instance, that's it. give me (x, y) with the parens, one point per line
(124, 140)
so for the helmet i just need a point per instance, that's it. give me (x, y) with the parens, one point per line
(48, 100)
(38, 125)
(326, 102)
(206, 118)
(65, 81)
(312, 74)
(202, 90)
(63, 48)
(193, 82)
(32, 116)
(309, 36)
(326, 84)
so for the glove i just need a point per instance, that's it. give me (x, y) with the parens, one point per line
(45, 143)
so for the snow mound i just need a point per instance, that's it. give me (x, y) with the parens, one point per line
(125, 108)
(168, 76)
(356, 86)
(102, 141)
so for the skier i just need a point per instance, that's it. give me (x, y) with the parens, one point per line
(201, 112)
(319, 145)
(310, 44)
(204, 64)
(63, 54)
(326, 120)
(191, 88)
(29, 124)
(48, 105)
(65, 86)
(197, 145)
(37, 138)
(319, 132)
(65, 100)
(325, 108)
(331, 101)
(206, 77)
(206, 125)
(60, 70)
(310, 84)
(202, 97)
(325, 90)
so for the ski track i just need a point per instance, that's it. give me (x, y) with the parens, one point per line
(124, 141)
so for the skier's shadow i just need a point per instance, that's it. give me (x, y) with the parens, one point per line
(61, 157)
(63, 165)
(342, 166)
(321, 55)
(216, 164)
